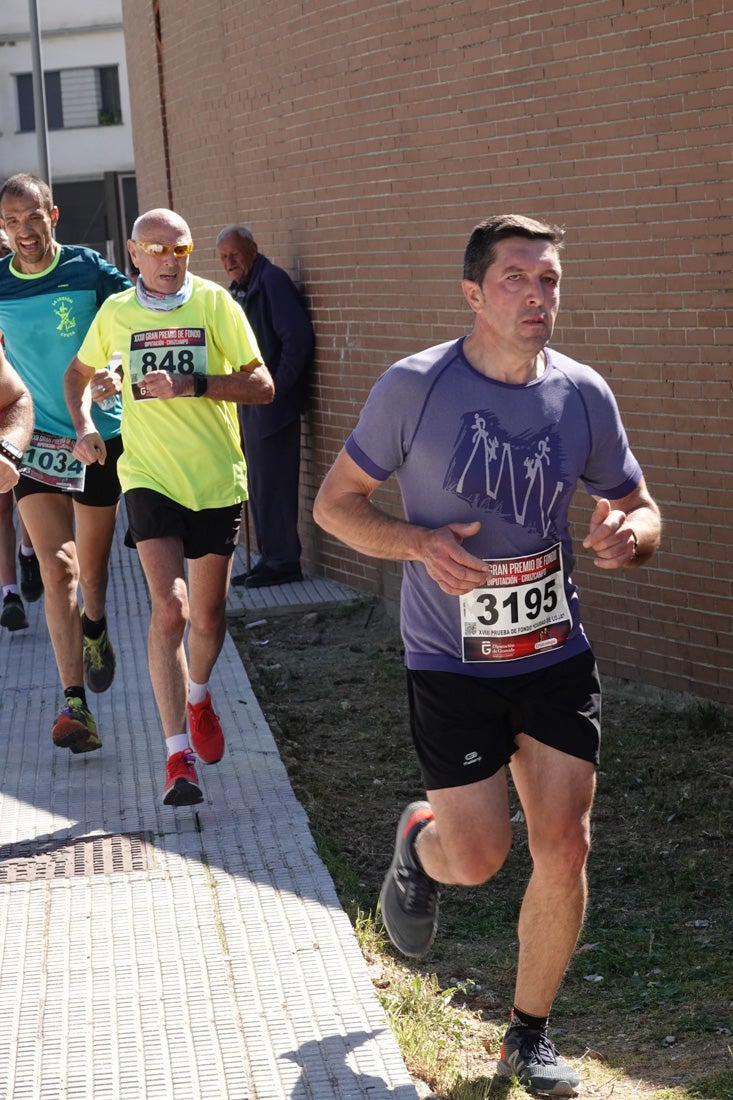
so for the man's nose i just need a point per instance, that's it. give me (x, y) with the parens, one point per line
(534, 292)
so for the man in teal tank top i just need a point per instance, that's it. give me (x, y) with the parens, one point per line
(49, 295)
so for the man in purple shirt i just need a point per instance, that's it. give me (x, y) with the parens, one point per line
(488, 437)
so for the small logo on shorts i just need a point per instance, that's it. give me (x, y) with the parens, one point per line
(471, 758)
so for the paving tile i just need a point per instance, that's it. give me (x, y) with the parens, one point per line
(156, 954)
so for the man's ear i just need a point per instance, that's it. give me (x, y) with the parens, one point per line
(472, 294)
(54, 216)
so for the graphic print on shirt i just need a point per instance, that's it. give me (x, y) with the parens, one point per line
(178, 350)
(522, 608)
(515, 477)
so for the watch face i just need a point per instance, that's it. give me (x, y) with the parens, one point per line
(10, 450)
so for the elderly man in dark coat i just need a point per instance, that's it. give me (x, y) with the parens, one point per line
(284, 332)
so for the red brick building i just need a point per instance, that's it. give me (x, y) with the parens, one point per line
(362, 142)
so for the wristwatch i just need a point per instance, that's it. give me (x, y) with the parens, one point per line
(200, 384)
(11, 452)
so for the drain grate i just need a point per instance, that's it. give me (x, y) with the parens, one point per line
(75, 857)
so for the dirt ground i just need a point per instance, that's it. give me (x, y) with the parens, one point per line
(330, 682)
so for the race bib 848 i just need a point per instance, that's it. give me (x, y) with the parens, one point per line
(178, 350)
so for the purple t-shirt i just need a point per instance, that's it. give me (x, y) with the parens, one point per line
(465, 447)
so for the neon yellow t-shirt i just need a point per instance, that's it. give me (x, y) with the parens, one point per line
(186, 448)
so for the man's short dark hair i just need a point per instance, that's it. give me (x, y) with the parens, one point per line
(481, 248)
(21, 183)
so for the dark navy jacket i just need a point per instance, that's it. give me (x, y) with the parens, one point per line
(284, 333)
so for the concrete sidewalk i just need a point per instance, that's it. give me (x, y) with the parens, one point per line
(149, 953)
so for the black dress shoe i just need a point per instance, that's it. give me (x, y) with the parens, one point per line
(266, 576)
(241, 578)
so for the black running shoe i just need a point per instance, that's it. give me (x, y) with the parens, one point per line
(409, 897)
(13, 615)
(99, 662)
(529, 1056)
(31, 584)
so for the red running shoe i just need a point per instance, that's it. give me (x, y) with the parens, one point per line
(207, 740)
(181, 782)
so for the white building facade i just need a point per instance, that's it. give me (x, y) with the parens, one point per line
(91, 159)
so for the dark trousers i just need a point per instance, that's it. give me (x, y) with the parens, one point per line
(273, 470)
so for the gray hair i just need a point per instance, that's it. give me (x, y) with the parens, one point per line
(238, 230)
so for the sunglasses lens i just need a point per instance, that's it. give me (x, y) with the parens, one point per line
(165, 249)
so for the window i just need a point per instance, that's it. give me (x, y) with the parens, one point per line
(74, 97)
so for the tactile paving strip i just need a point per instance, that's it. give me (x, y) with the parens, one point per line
(157, 954)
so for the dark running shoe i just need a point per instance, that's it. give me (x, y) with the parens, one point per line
(75, 728)
(409, 897)
(529, 1056)
(13, 615)
(31, 584)
(99, 662)
(181, 782)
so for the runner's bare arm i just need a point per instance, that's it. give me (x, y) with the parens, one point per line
(249, 385)
(16, 419)
(77, 393)
(625, 531)
(16, 406)
(344, 508)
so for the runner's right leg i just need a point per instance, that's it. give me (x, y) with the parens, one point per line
(49, 518)
(50, 522)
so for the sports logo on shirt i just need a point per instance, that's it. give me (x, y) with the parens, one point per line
(62, 307)
(518, 476)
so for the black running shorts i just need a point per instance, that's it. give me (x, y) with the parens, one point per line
(464, 727)
(151, 515)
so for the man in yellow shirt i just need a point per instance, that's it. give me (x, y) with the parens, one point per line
(188, 357)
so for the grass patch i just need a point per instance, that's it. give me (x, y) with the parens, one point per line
(644, 1012)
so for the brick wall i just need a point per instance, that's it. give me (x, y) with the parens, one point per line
(362, 142)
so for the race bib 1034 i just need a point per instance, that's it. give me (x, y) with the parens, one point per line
(49, 459)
